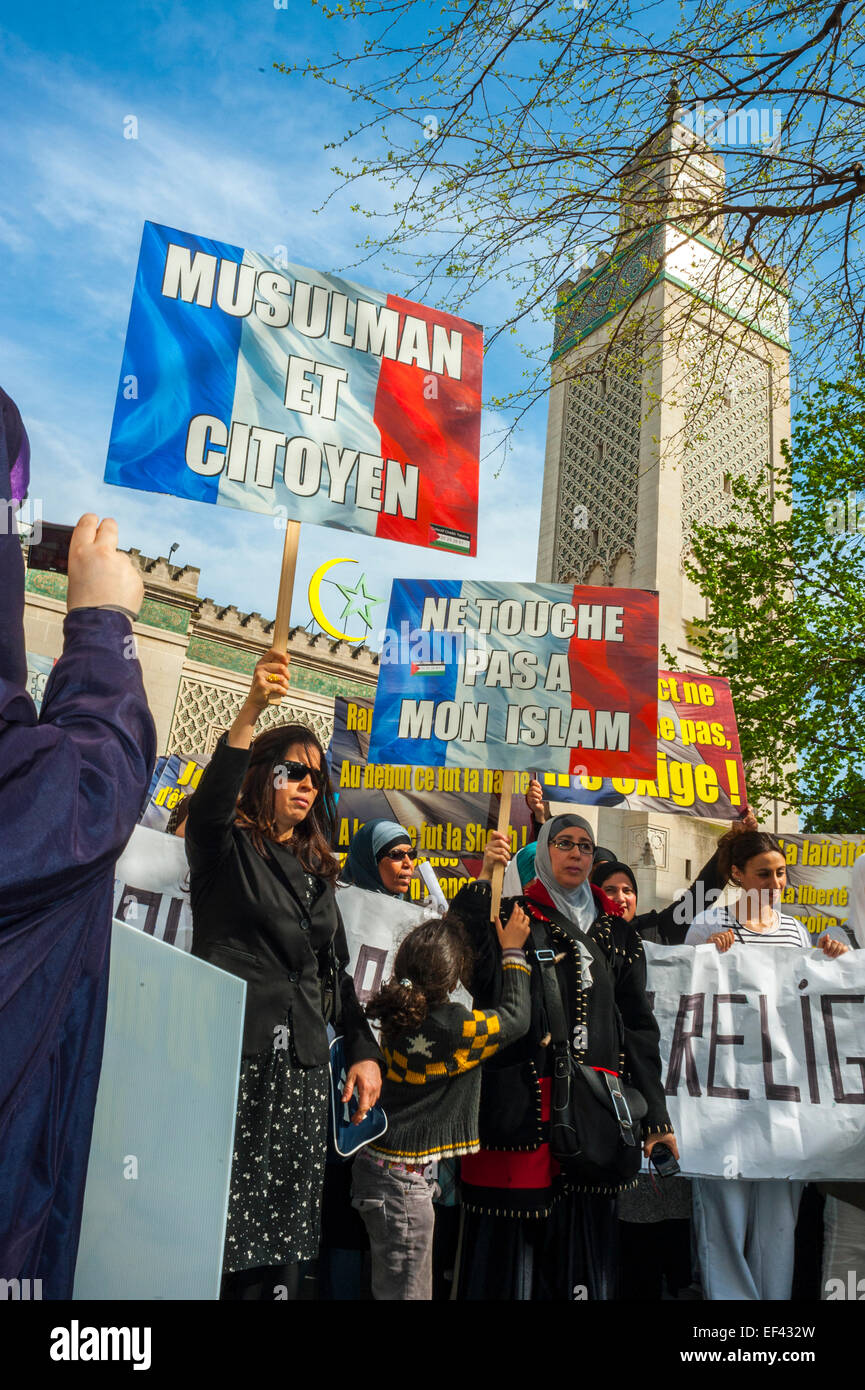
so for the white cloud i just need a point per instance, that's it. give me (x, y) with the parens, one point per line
(72, 233)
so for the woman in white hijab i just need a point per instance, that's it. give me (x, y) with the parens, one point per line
(528, 1231)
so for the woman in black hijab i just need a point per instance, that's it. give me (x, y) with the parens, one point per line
(669, 924)
(381, 859)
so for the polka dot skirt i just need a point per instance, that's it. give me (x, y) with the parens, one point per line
(277, 1173)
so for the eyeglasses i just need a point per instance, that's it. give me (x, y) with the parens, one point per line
(397, 855)
(297, 772)
(565, 846)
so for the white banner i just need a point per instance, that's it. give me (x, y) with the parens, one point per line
(763, 1053)
(375, 924)
(151, 887)
(762, 1049)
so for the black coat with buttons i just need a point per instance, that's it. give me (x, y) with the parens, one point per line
(247, 921)
(621, 1034)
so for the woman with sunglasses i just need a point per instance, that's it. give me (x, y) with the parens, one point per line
(381, 859)
(258, 839)
(528, 1231)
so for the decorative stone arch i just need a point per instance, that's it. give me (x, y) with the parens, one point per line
(597, 502)
(623, 570)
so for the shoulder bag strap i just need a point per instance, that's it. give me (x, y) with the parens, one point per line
(546, 958)
(606, 1088)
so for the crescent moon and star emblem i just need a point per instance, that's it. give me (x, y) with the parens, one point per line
(358, 601)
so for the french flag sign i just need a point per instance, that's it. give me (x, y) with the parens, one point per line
(249, 382)
(516, 676)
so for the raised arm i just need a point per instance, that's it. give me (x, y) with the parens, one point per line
(477, 1034)
(472, 906)
(212, 806)
(74, 785)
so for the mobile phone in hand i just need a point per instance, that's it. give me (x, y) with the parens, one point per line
(51, 551)
(664, 1161)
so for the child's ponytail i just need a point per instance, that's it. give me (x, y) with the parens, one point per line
(428, 965)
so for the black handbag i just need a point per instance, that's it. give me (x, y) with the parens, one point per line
(595, 1131)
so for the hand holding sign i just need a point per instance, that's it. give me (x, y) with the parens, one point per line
(496, 855)
(535, 800)
(832, 948)
(269, 680)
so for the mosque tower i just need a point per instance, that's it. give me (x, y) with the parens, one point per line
(670, 379)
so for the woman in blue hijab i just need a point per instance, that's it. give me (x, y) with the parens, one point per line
(381, 859)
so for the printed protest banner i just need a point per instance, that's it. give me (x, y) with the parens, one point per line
(823, 883)
(250, 382)
(699, 770)
(511, 676)
(449, 812)
(174, 777)
(763, 1059)
(151, 887)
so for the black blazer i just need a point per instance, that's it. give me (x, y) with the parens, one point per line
(245, 920)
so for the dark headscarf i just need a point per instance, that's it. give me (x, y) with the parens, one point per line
(601, 872)
(368, 846)
(604, 856)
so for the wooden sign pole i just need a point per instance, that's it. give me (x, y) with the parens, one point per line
(282, 620)
(503, 825)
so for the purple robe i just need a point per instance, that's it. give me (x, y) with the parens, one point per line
(72, 786)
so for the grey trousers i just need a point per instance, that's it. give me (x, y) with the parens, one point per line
(397, 1211)
(746, 1232)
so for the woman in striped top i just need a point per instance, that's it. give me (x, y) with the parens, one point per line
(745, 1229)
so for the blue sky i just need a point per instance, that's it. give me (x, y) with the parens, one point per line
(228, 151)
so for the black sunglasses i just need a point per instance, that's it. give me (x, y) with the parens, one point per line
(397, 855)
(297, 772)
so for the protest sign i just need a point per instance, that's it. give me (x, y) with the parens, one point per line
(699, 770)
(763, 1059)
(155, 1203)
(249, 382)
(820, 882)
(449, 812)
(511, 676)
(174, 777)
(151, 887)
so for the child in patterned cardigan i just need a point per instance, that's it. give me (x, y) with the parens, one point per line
(431, 1091)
